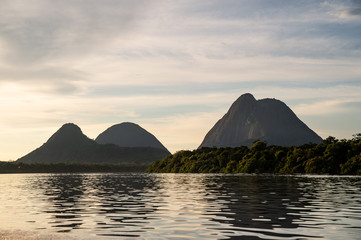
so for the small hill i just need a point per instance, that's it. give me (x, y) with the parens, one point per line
(268, 120)
(70, 145)
(129, 135)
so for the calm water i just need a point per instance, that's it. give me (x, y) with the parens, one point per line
(178, 206)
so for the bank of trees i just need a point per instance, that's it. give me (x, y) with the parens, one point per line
(332, 156)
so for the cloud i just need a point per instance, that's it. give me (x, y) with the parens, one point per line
(48, 29)
(325, 107)
(346, 10)
(355, 10)
(43, 44)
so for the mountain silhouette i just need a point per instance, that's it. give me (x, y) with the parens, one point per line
(129, 135)
(70, 145)
(268, 120)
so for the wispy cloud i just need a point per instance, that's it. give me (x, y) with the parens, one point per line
(43, 30)
(327, 107)
(346, 10)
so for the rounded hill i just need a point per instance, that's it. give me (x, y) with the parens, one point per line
(129, 134)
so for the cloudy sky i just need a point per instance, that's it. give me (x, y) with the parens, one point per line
(173, 67)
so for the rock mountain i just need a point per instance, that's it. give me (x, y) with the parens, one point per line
(70, 145)
(268, 120)
(129, 135)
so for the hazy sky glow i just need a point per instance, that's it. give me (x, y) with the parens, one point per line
(173, 67)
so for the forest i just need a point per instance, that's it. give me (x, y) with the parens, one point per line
(332, 156)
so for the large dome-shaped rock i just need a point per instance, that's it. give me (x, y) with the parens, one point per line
(268, 120)
(129, 135)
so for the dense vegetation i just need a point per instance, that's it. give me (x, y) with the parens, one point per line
(332, 156)
(19, 167)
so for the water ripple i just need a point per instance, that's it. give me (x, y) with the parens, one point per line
(174, 206)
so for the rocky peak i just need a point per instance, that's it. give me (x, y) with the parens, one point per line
(244, 105)
(268, 119)
(246, 98)
(67, 134)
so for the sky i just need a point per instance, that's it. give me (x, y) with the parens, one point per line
(173, 67)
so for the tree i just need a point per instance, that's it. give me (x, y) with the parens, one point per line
(352, 166)
(356, 137)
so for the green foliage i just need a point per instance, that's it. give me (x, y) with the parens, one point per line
(356, 137)
(332, 156)
(352, 166)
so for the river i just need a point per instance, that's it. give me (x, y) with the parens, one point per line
(179, 206)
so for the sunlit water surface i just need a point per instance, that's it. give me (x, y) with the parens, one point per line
(178, 206)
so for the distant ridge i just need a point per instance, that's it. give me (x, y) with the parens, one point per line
(129, 134)
(268, 120)
(70, 145)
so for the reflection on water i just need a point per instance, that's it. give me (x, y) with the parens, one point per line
(199, 206)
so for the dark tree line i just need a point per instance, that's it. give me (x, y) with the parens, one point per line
(332, 156)
(19, 167)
